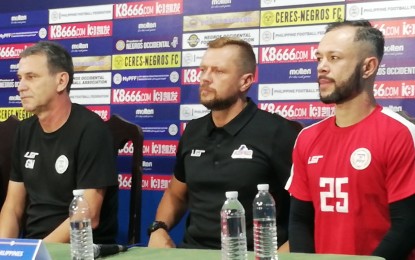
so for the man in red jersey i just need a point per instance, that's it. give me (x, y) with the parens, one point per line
(353, 174)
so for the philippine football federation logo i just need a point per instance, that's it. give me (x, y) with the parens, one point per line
(360, 158)
(61, 164)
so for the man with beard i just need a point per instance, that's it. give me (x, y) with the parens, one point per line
(353, 174)
(233, 148)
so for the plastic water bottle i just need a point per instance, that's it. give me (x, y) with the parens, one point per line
(233, 228)
(81, 230)
(265, 230)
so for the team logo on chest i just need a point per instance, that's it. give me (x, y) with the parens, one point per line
(61, 164)
(30, 162)
(242, 153)
(360, 158)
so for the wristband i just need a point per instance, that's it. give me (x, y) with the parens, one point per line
(156, 225)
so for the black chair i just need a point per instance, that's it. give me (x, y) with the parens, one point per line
(7, 131)
(124, 131)
(297, 125)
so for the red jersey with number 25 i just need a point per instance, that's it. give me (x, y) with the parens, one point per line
(351, 175)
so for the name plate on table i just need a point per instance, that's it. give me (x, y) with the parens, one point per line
(26, 249)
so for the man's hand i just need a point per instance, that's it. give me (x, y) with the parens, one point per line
(284, 248)
(160, 239)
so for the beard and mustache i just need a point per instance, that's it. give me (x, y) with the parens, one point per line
(217, 103)
(345, 90)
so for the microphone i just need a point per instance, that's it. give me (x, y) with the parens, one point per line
(102, 250)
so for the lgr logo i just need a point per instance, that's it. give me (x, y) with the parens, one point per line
(314, 159)
(30, 162)
(197, 152)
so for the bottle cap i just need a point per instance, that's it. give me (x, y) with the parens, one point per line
(231, 194)
(78, 192)
(263, 187)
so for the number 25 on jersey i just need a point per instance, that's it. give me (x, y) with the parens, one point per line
(332, 198)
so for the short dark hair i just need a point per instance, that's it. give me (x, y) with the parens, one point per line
(365, 32)
(247, 58)
(58, 58)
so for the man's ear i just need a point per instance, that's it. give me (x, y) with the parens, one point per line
(246, 81)
(62, 81)
(370, 66)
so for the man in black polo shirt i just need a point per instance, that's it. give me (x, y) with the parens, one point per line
(235, 147)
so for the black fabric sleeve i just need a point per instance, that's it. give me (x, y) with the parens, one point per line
(399, 241)
(301, 226)
(15, 173)
(281, 159)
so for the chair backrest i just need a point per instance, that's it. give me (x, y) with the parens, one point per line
(124, 131)
(7, 131)
(297, 125)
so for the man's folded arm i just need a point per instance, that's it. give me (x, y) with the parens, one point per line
(94, 197)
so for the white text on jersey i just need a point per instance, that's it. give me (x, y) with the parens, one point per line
(314, 159)
(197, 153)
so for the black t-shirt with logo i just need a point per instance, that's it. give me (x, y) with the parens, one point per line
(79, 155)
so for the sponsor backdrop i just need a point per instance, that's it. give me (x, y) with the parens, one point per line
(140, 60)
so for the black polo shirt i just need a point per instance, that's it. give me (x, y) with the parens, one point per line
(255, 147)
